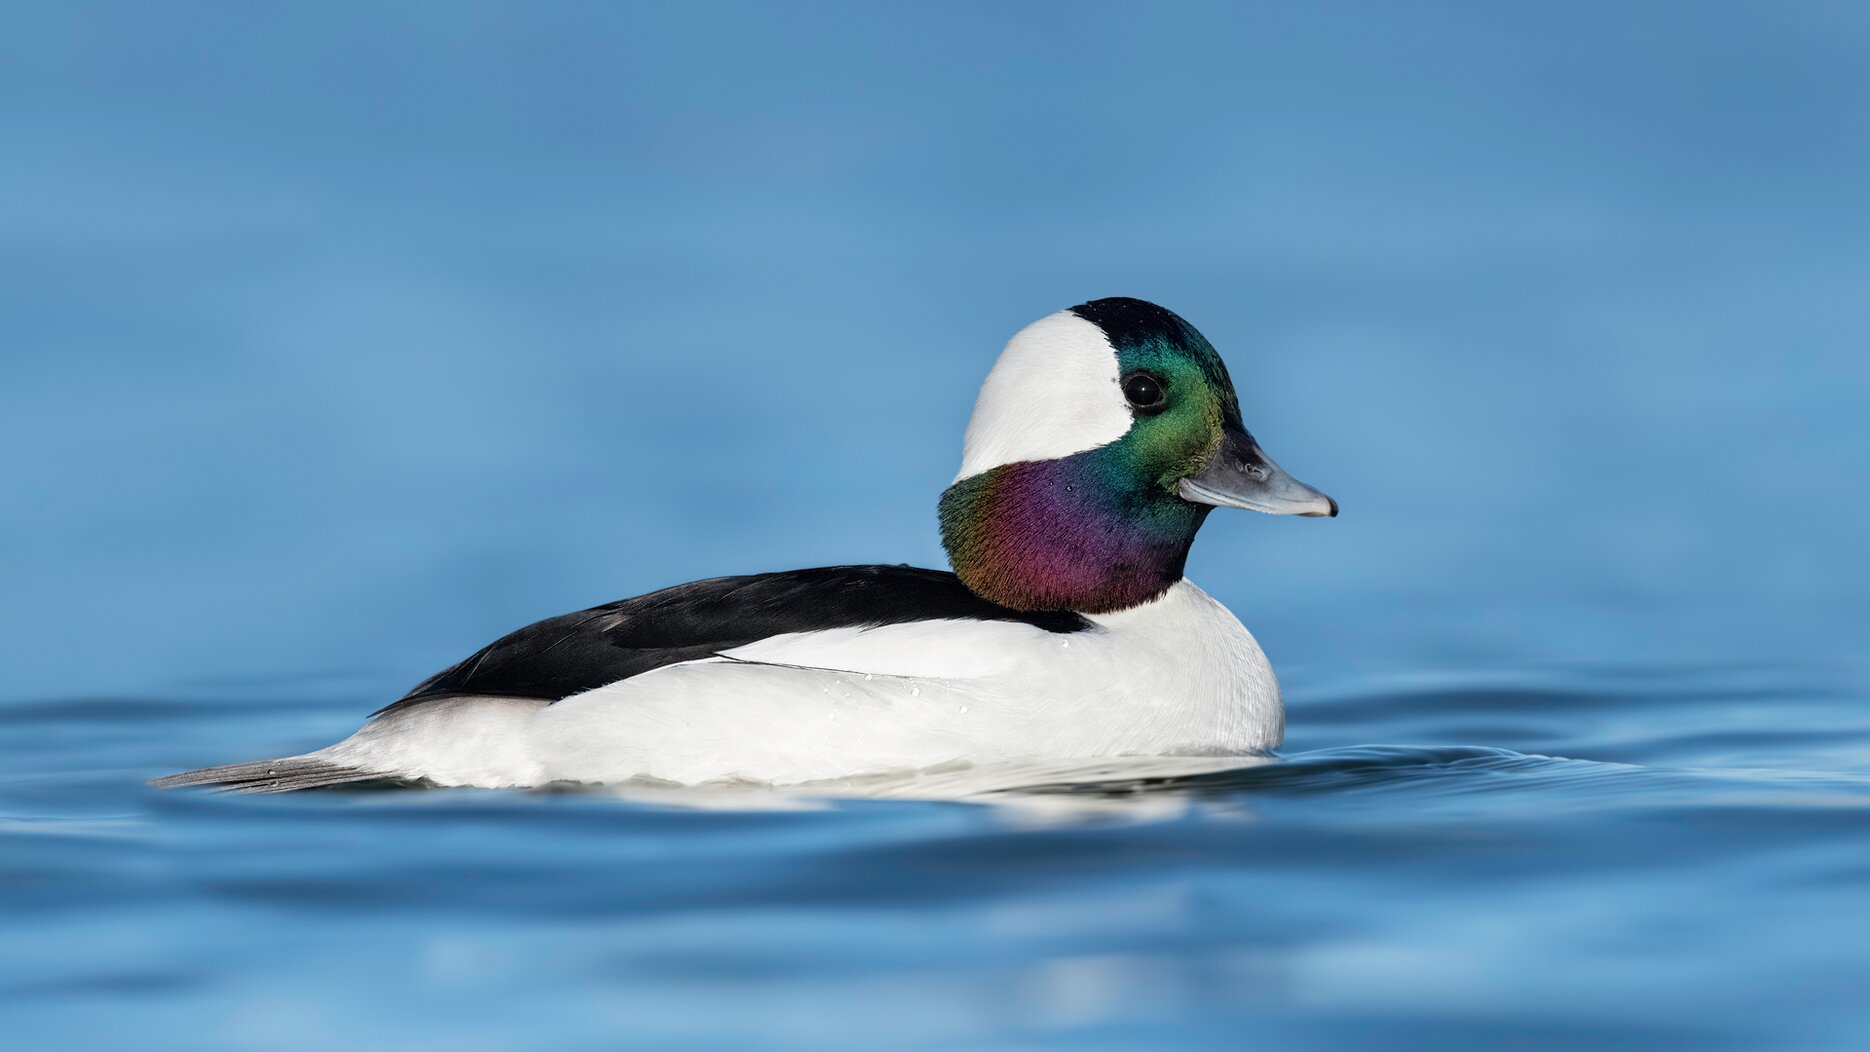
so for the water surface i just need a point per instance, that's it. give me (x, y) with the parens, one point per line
(1542, 860)
(338, 339)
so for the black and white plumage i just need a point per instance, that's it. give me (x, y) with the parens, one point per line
(570, 654)
(840, 671)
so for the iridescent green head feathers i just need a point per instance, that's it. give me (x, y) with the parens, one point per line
(1100, 441)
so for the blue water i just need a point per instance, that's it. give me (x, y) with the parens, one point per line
(335, 341)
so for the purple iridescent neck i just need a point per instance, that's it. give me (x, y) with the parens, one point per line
(1079, 533)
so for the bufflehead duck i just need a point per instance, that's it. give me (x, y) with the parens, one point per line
(1102, 438)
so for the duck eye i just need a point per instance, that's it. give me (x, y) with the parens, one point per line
(1143, 390)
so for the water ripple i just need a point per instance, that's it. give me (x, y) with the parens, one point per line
(1559, 835)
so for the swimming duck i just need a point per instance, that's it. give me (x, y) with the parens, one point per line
(1103, 436)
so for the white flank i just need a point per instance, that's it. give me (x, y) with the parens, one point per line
(1178, 676)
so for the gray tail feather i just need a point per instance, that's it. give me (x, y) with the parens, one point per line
(271, 776)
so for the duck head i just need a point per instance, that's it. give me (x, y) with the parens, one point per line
(1101, 440)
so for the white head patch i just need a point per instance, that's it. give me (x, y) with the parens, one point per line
(1054, 392)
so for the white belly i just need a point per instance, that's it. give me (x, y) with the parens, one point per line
(1178, 676)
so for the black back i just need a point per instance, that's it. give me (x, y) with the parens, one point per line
(570, 654)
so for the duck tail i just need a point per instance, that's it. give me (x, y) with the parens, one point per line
(282, 775)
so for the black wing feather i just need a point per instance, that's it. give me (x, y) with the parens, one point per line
(570, 654)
